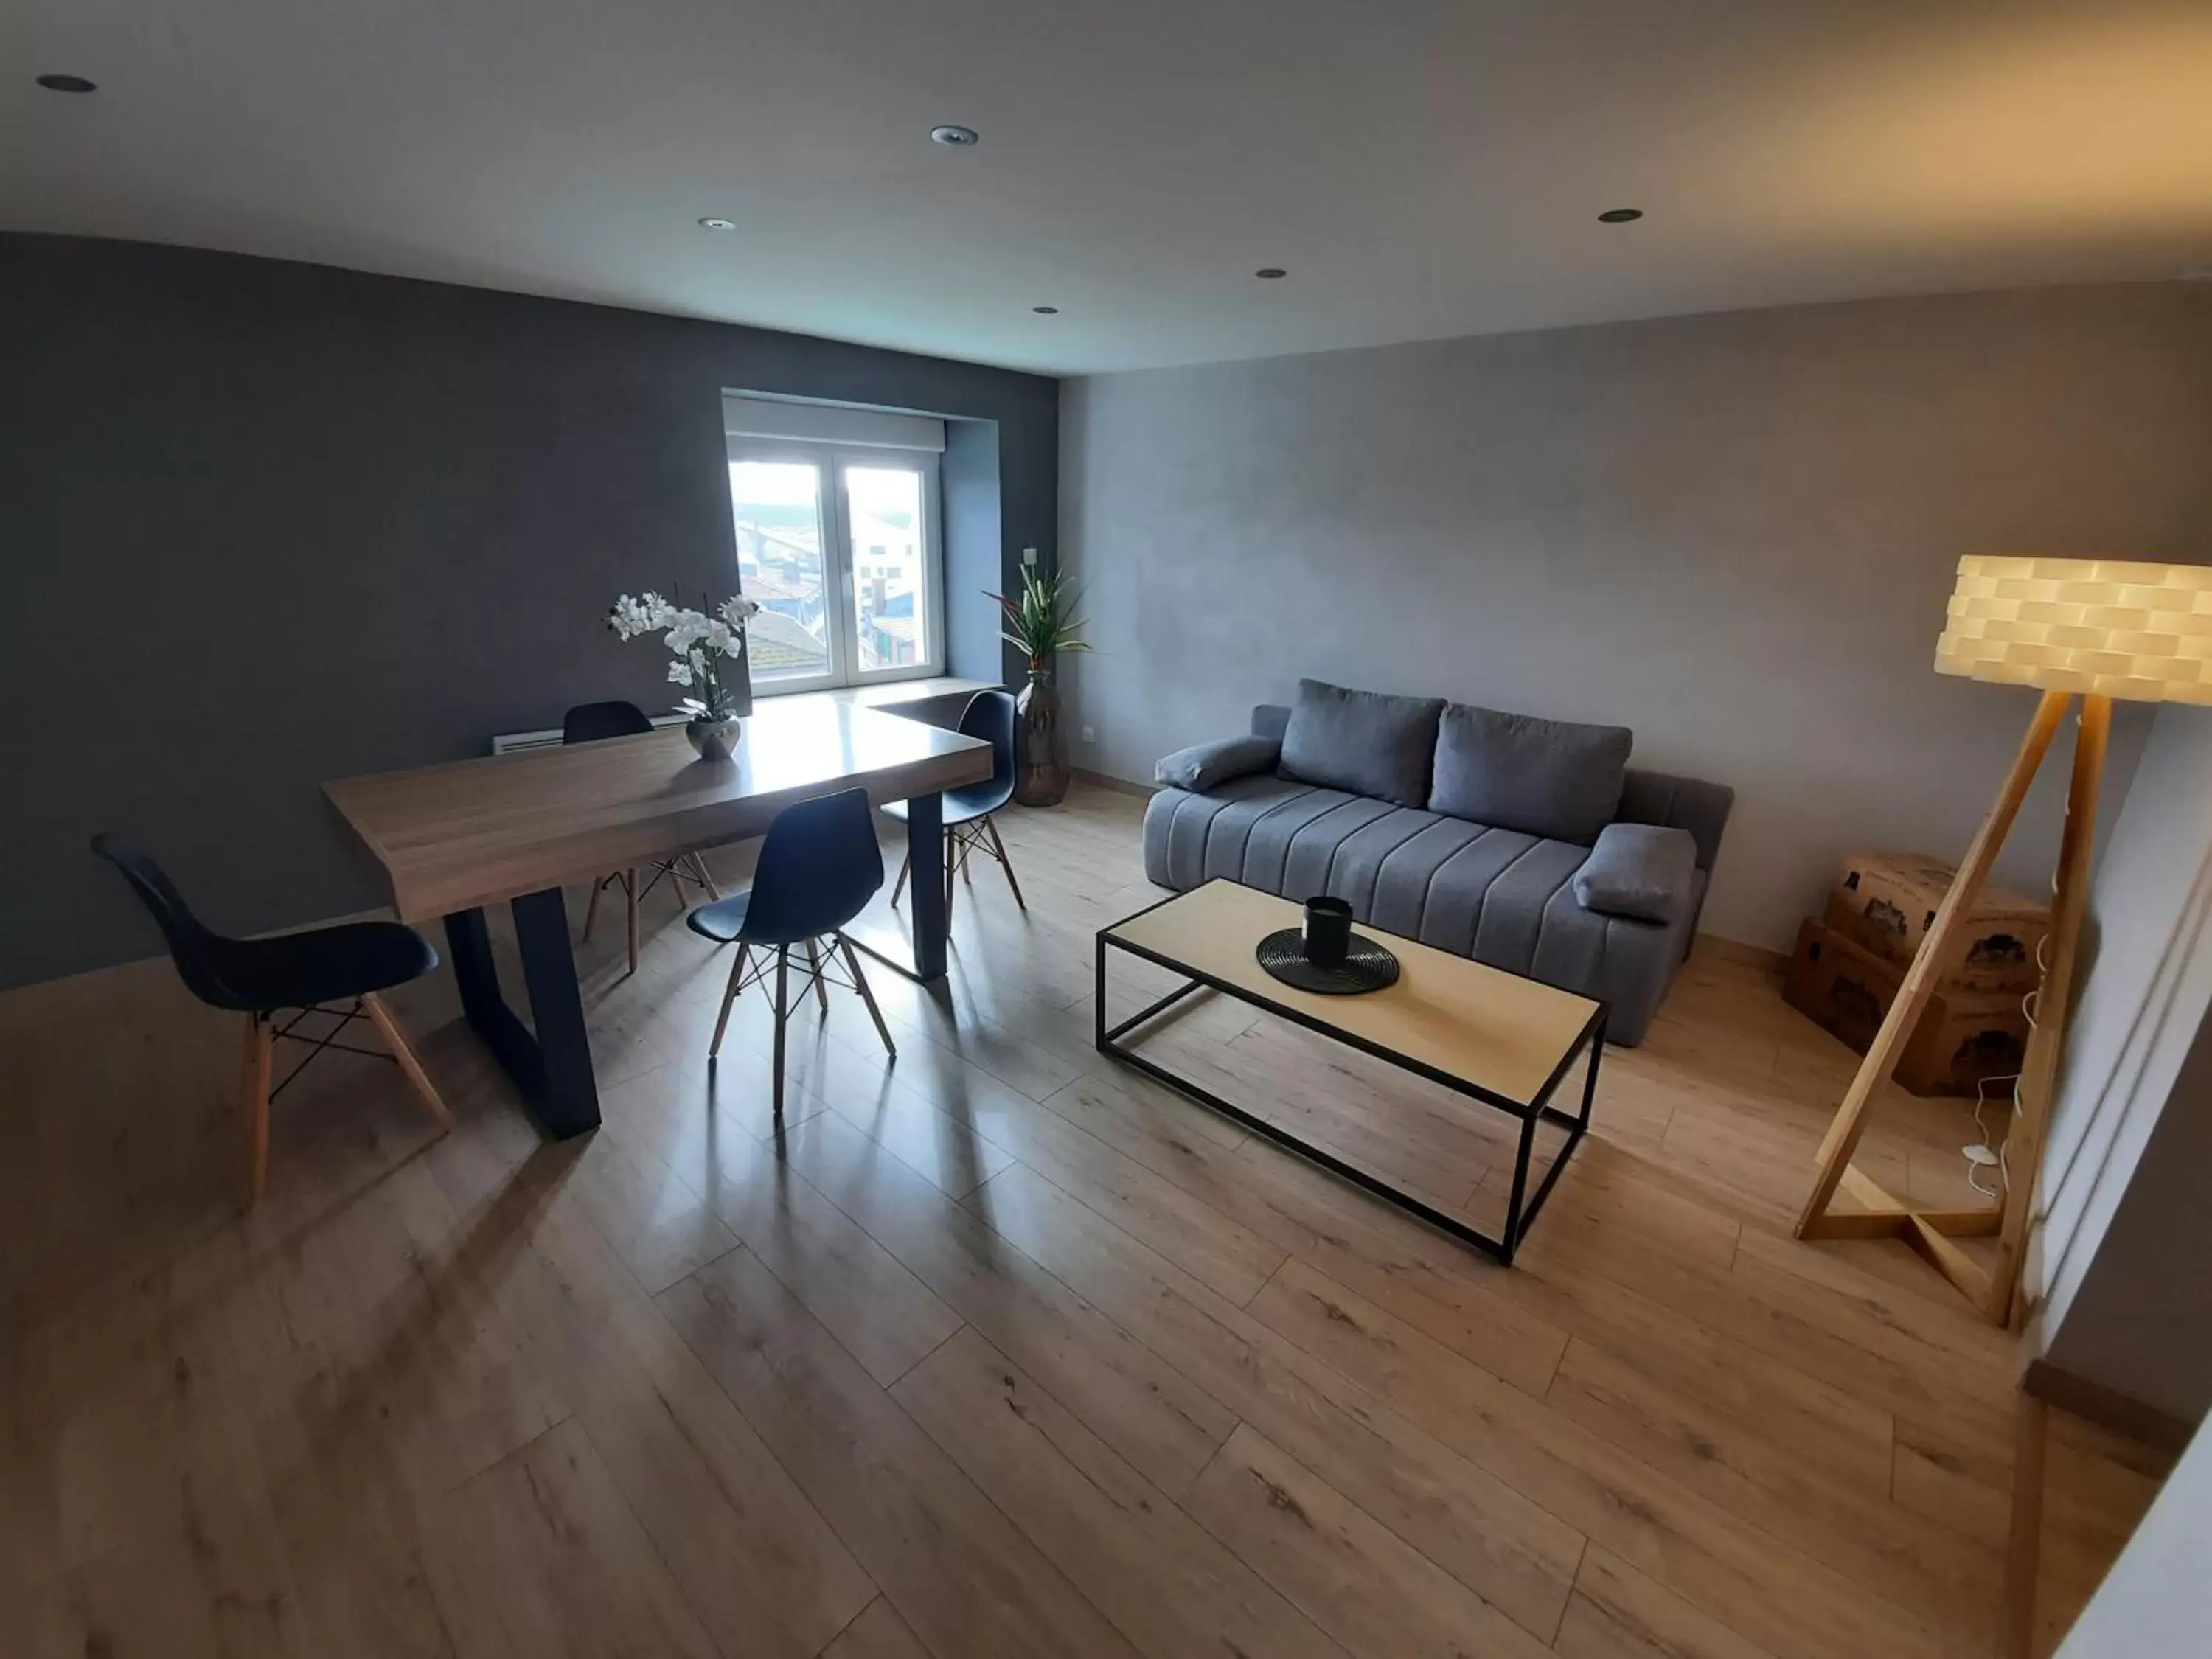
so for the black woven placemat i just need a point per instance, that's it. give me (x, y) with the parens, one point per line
(1367, 966)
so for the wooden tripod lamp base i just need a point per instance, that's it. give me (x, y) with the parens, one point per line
(2091, 628)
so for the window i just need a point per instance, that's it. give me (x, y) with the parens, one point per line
(838, 543)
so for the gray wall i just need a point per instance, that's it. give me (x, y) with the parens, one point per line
(267, 523)
(2119, 1258)
(1734, 533)
(974, 550)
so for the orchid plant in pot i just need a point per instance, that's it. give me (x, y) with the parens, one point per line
(709, 651)
(1042, 623)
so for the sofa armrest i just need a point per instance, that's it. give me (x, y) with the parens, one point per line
(1204, 765)
(1677, 803)
(1640, 871)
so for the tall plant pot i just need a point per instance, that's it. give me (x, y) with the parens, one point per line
(1041, 772)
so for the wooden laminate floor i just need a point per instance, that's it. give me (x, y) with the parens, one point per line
(996, 1351)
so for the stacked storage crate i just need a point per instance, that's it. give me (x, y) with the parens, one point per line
(1851, 962)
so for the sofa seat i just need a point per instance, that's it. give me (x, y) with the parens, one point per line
(1500, 896)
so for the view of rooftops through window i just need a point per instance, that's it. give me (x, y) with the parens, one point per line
(792, 559)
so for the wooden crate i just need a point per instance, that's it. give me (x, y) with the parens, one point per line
(1963, 1037)
(1885, 902)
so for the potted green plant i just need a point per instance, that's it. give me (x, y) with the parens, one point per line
(1042, 623)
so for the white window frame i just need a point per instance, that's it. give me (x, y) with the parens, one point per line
(831, 462)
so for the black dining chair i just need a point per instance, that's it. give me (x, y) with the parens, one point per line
(819, 865)
(968, 809)
(589, 722)
(301, 972)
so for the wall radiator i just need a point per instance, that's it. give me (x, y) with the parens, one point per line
(508, 743)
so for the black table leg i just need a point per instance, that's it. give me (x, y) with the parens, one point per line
(568, 1097)
(924, 892)
(469, 943)
(552, 1065)
(925, 846)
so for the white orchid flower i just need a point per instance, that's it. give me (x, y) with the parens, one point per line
(698, 640)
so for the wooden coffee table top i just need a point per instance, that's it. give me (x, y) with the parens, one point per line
(1503, 1034)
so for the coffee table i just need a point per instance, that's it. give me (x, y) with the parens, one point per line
(1499, 1039)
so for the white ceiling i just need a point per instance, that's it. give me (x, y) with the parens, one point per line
(1423, 167)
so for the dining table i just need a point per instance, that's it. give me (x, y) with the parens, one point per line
(456, 839)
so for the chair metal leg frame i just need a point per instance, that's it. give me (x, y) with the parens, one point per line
(343, 1016)
(261, 1034)
(979, 836)
(676, 871)
(819, 971)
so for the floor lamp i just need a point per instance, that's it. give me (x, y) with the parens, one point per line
(2092, 629)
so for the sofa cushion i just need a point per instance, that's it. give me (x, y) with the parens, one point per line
(1637, 870)
(1550, 778)
(1203, 765)
(1362, 742)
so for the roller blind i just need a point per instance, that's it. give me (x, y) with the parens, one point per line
(849, 428)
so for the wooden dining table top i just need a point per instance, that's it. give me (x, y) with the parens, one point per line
(473, 832)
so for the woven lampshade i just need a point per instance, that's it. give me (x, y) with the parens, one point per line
(2106, 626)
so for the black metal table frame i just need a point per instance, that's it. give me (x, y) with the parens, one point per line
(1517, 1220)
(551, 1064)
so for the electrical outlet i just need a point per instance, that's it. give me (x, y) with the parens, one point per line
(1090, 734)
(1029, 557)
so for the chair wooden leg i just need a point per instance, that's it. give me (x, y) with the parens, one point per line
(705, 877)
(394, 1039)
(253, 1088)
(729, 996)
(821, 991)
(999, 852)
(630, 896)
(860, 984)
(591, 910)
(905, 868)
(782, 1011)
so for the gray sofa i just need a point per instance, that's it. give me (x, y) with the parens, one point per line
(1529, 845)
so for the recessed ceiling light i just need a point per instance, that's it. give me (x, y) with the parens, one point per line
(1046, 311)
(718, 224)
(958, 137)
(67, 83)
(1270, 273)
(1620, 215)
